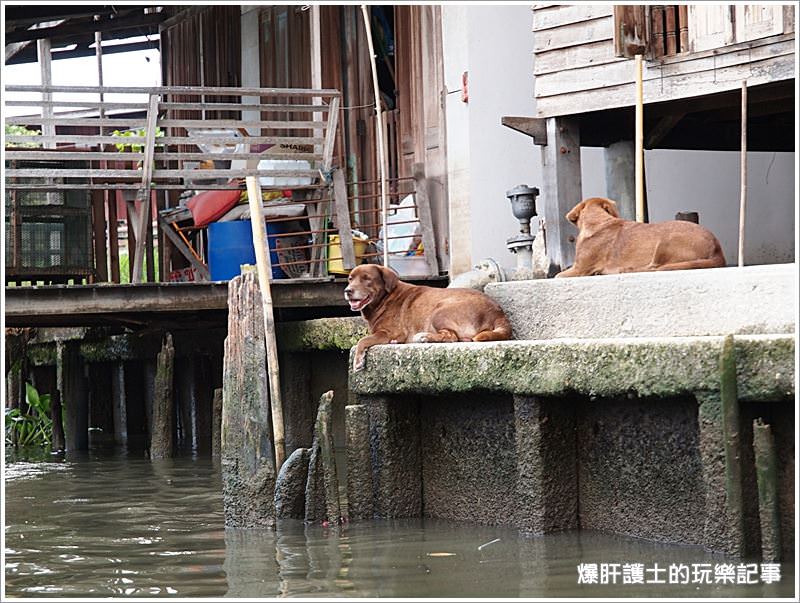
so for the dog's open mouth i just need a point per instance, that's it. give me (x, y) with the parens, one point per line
(356, 305)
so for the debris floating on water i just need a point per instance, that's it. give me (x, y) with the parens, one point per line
(485, 544)
(441, 554)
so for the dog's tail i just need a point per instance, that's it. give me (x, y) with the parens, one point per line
(500, 332)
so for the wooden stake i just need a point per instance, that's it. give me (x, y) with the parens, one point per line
(766, 461)
(161, 446)
(639, 167)
(743, 175)
(379, 122)
(264, 267)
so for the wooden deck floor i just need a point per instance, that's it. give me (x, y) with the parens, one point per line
(151, 304)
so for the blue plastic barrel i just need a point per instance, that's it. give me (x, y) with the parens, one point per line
(230, 244)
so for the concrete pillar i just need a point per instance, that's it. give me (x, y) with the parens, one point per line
(396, 456)
(359, 463)
(299, 406)
(547, 480)
(74, 395)
(621, 177)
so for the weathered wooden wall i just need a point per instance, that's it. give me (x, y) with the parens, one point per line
(577, 70)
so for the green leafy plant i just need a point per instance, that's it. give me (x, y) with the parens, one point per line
(33, 428)
(17, 130)
(134, 147)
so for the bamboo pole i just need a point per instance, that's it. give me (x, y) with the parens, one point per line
(743, 175)
(379, 119)
(264, 267)
(639, 162)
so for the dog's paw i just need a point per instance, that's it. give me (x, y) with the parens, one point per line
(359, 362)
(420, 338)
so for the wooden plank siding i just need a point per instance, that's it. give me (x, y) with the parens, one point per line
(576, 69)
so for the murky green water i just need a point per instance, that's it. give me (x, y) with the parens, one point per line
(104, 526)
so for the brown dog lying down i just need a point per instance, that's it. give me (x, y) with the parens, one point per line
(607, 244)
(399, 312)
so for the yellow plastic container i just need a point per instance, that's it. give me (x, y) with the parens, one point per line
(335, 264)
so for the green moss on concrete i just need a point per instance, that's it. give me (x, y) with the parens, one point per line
(321, 334)
(640, 367)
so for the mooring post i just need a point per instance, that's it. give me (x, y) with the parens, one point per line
(322, 489)
(248, 467)
(74, 394)
(161, 439)
(767, 476)
(359, 463)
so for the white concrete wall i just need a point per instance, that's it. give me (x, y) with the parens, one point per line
(485, 159)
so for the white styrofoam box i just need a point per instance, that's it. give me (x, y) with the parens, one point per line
(409, 265)
(284, 164)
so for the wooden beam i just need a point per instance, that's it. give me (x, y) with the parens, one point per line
(342, 208)
(143, 195)
(180, 245)
(535, 127)
(99, 238)
(425, 218)
(561, 172)
(662, 128)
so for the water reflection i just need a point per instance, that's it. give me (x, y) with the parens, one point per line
(101, 526)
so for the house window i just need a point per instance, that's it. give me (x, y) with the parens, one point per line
(664, 30)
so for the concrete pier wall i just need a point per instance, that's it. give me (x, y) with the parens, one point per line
(617, 413)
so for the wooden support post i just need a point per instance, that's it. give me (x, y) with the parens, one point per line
(149, 248)
(561, 159)
(58, 443)
(731, 428)
(74, 395)
(743, 175)
(143, 195)
(264, 267)
(639, 139)
(161, 440)
(766, 461)
(379, 127)
(113, 237)
(423, 203)
(99, 228)
(248, 469)
(343, 220)
(322, 489)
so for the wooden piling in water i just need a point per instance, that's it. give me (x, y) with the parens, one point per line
(161, 445)
(74, 395)
(767, 477)
(57, 443)
(248, 468)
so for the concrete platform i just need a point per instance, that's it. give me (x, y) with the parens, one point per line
(626, 407)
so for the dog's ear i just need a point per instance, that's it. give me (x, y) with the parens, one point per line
(573, 214)
(390, 278)
(610, 207)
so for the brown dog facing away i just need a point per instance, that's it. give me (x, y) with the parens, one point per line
(399, 312)
(607, 244)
